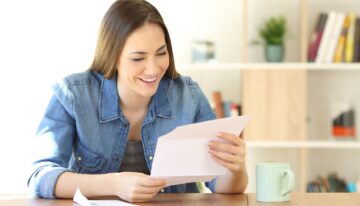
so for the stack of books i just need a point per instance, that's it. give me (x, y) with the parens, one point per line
(330, 183)
(222, 108)
(335, 38)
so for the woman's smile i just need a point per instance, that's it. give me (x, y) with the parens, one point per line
(149, 81)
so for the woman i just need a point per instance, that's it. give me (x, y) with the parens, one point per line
(101, 126)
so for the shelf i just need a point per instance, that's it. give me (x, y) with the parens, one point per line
(304, 144)
(270, 66)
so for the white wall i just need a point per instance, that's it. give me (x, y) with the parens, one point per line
(215, 20)
(40, 42)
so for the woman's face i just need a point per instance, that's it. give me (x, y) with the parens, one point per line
(143, 61)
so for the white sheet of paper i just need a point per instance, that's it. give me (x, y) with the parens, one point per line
(182, 156)
(80, 199)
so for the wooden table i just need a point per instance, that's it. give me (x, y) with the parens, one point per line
(194, 199)
(297, 199)
(313, 199)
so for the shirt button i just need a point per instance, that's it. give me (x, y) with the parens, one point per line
(150, 157)
(79, 158)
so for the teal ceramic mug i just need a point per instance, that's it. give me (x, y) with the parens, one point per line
(274, 182)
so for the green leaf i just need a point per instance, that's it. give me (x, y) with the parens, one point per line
(273, 30)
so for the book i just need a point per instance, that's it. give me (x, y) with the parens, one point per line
(325, 182)
(357, 41)
(349, 44)
(234, 110)
(227, 108)
(343, 124)
(339, 51)
(334, 37)
(316, 36)
(218, 104)
(332, 182)
(330, 22)
(231, 109)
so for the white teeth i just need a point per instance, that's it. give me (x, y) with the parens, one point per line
(149, 80)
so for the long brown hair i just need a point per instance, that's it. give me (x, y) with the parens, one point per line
(122, 18)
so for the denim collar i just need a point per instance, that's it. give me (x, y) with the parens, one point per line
(109, 102)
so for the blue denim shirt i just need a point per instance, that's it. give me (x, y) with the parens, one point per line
(84, 131)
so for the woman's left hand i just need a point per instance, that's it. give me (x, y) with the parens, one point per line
(231, 153)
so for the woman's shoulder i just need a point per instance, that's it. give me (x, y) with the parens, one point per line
(181, 82)
(77, 83)
(187, 80)
(182, 85)
(82, 78)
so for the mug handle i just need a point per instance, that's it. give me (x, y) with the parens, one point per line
(290, 179)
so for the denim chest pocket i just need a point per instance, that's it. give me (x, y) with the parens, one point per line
(86, 161)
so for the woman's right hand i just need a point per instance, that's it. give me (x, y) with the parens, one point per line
(136, 187)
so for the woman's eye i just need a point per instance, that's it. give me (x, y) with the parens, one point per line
(162, 53)
(137, 59)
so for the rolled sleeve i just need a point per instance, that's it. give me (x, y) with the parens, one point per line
(52, 146)
(42, 183)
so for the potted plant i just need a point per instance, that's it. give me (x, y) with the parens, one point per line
(273, 32)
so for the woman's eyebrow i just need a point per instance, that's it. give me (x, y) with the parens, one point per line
(142, 52)
(162, 47)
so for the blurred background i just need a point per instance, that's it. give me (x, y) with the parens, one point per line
(304, 102)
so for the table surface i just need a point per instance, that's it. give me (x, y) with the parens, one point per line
(313, 199)
(196, 199)
(190, 199)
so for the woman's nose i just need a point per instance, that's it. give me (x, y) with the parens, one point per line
(151, 67)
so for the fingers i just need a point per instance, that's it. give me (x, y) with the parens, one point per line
(146, 190)
(225, 147)
(145, 193)
(229, 165)
(231, 153)
(137, 187)
(151, 182)
(226, 157)
(230, 138)
(147, 185)
(233, 145)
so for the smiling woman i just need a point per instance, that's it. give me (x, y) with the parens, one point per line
(100, 127)
(143, 62)
(42, 41)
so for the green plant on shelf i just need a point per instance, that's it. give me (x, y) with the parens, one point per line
(273, 30)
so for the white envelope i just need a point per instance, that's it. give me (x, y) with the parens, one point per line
(81, 200)
(182, 155)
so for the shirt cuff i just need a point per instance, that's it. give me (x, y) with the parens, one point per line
(44, 182)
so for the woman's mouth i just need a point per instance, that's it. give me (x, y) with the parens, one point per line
(149, 80)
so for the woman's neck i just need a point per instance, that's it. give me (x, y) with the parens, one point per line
(132, 102)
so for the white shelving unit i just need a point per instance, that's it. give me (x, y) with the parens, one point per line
(317, 153)
(307, 155)
(305, 144)
(270, 66)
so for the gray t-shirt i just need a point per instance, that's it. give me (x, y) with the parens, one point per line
(134, 159)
